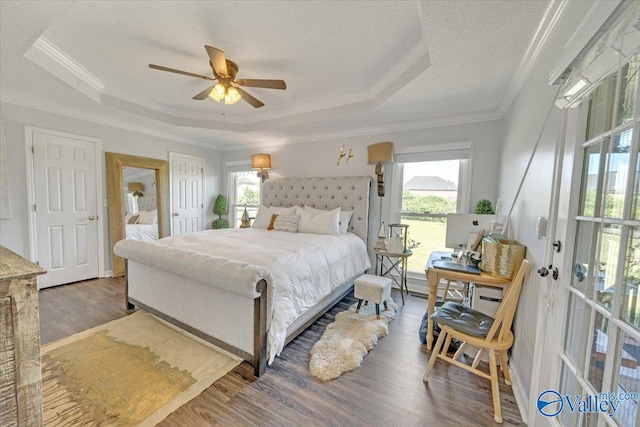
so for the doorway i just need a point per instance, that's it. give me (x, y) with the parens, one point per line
(65, 225)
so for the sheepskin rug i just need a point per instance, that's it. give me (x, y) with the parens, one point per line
(347, 340)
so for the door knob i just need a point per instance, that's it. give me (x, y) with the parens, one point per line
(542, 271)
(176, 214)
(91, 218)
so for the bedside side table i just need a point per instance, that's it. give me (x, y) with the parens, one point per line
(387, 263)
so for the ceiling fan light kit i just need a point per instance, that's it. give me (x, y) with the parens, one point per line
(229, 94)
(227, 88)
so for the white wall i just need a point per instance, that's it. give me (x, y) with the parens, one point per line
(522, 126)
(319, 158)
(14, 233)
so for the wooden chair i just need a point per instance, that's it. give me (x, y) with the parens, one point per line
(471, 327)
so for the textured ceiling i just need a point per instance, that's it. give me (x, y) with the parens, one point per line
(348, 65)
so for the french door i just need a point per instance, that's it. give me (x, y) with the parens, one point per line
(597, 357)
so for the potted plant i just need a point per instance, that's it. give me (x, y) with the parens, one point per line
(220, 208)
(484, 206)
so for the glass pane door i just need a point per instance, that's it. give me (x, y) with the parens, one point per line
(601, 351)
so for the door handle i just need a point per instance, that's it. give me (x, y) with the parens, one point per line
(176, 214)
(91, 218)
(544, 272)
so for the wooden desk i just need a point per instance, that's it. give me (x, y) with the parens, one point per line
(434, 275)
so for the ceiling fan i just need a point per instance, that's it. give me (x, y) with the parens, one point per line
(228, 89)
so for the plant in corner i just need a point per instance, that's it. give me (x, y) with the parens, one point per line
(220, 208)
(484, 206)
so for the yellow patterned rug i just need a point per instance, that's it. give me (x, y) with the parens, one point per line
(132, 371)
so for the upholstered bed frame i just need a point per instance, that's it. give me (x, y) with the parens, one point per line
(178, 286)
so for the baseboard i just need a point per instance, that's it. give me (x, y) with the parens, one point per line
(108, 273)
(522, 399)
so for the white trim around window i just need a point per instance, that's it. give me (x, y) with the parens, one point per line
(462, 151)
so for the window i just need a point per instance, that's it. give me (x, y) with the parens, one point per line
(433, 185)
(244, 192)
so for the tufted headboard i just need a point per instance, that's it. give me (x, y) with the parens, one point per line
(350, 193)
(147, 203)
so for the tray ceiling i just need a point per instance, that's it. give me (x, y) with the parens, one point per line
(348, 65)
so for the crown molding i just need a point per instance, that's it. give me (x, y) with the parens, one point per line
(588, 28)
(543, 33)
(462, 119)
(233, 144)
(22, 101)
(55, 61)
(413, 63)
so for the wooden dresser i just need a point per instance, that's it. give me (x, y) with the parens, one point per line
(20, 375)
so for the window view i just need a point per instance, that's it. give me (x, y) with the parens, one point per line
(245, 193)
(429, 192)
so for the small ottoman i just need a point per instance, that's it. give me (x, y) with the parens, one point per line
(372, 288)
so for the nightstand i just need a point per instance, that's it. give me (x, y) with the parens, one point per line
(388, 263)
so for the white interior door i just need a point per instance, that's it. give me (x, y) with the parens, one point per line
(187, 179)
(66, 211)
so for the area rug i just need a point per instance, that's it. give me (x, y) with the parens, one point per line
(347, 340)
(133, 371)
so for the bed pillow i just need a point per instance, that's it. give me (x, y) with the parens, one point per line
(263, 216)
(345, 217)
(327, 222)
(288, 223)
(148, 217)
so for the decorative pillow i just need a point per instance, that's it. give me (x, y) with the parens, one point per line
(327, 222)
(148, 217)
(288, 223)
(345, 217)
(263, 216)
(133, 219)
(312, 211)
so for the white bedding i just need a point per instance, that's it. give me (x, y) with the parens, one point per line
(305, 267)
(144, 232)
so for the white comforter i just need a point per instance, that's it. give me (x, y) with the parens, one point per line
(305, 267)
(144, 232)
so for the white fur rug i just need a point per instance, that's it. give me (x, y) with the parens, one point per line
(347, 340)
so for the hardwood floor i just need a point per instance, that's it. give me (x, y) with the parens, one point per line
(386, 390)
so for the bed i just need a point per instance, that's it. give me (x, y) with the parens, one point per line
(223, 286)
(146, 232)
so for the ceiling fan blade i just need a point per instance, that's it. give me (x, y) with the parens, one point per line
(186, 73)
(269, 84)
(250, 99)
(218, 61)
(204, 94)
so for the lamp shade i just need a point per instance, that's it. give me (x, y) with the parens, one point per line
(382, 152)
(261, 161)
(135, 186)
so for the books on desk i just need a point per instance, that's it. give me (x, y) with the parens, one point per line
(454, 266)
